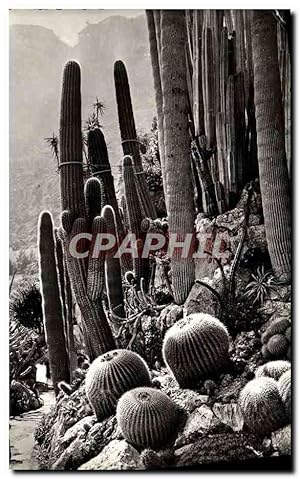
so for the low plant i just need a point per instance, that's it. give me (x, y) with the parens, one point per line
(260, 289)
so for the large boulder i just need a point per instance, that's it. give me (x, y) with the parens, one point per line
(116, 456)
(202, 300)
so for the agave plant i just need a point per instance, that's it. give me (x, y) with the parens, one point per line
(99, 108)
(25, 306)
(52, 141)
(262, 285)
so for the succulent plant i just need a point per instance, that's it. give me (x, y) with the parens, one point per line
(51, 302)
(196, 348)
(276, 340)
(285, 391)
(261, 406)
(273, 369)
(111, 375)
(147, 417)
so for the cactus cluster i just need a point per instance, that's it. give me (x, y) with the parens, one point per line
(261, 406)
(196, 348)
(276, 340)
(111, 375)
(147, 417)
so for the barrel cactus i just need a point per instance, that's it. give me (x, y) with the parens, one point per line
(112, 374)
(285, 391)
(273, 369)
(196, 348)
(261, 406)
(147, 417)
(276, 340)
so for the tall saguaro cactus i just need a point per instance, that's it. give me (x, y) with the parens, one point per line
(130, 144)
(273, 173)
(79, 216)
(52, 306)
(178, 186)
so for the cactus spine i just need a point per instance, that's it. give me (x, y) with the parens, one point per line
(112, 374)
(147, 417)
(261, 406)
(128, 135)
(52, 306)
(180, 201)
(196, 348)
(75, 218)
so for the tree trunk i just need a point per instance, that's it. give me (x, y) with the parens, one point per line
(273, 173)
(178, 187)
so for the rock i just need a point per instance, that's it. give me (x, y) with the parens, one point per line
(214, 448)
(202, 420)
(202, 300)
(169, 315)
(116, 456)
(230, 415)
(87, 445)
(282, 440)
(187, 399)
(165, 382)
(79, 429)
(232, 219)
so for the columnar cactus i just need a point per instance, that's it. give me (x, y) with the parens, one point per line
(128, 134)
(147, 417)
(51, 302)
(99, 161)
(135, 217)
(113, 268)
(110, 376)
(261, 406)
(273, 172)
(196, 348)
(179, 190)
(76, 219)
(67, 303)
(273, 369)
(285, 391)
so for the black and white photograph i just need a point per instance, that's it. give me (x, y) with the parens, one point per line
(150, 239)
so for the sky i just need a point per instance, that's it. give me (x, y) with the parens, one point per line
(65, 23)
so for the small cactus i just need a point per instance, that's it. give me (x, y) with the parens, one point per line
(278, 326)
(273, 369)
(112, 374)
(278, 345)
(147, 417)
(261, 406)
(196, 348)
(285, 391)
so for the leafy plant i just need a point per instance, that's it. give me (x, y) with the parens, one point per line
(25, 306)
(52, 141)
(260, 288)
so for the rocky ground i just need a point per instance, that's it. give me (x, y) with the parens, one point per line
(211, 429)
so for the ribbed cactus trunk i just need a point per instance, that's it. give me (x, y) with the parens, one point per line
(273, 173)
(79, 216)
(135, 217)
(101, 169)
(130, 144)
(113, 275)
(178, 188)
(51, 302)
(154, 40)
(67, 303)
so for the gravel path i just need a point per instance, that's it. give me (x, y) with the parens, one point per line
(21, 434)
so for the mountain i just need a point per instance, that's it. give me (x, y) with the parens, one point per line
(37, 57)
